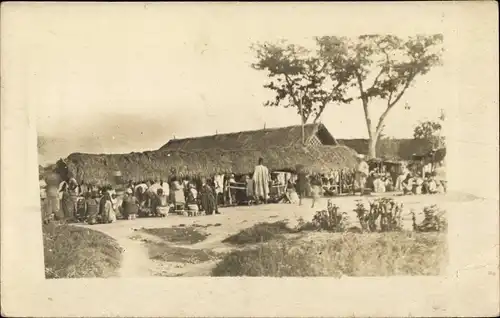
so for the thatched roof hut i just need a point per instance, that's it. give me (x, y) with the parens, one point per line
(391, 149)
(314, 134)
(98, 168)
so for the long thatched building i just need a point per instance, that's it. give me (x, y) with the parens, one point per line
(281, 148)
(314, 135)
(98, 168)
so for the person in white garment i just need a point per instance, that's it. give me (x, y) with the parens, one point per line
(362, 172)
(261, 181)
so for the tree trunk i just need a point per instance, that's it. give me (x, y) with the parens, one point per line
(372, 147)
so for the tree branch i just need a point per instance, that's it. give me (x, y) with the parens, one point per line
(398, 97)
(390, 104)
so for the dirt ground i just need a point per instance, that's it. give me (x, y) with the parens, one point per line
(136, 261)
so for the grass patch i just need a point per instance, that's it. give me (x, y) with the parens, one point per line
(387, 254)
(183, 236)
(167, 253)
(260, 232)
(76, 252)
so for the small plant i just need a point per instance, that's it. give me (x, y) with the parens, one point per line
(384, 211)
(434, 220)
(331, 220)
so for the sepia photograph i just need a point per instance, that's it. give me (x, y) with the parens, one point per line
(170, 147)
(312, 181)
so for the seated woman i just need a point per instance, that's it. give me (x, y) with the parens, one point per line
(388, 182)
(130, 205)
(160, 203)
(417, 185)
(378, 184)
(192, 200)
(291, 193)
(407, 184)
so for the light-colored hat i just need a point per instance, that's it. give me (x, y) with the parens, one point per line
(129, 191)
(361, 156)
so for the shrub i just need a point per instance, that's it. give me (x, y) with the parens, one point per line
(373, 254)
(260, 232)
(434, 220)
(384, 215)
(77, 252)
(183, 235)
(331, 220)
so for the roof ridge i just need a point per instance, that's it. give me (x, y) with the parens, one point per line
(244, 131)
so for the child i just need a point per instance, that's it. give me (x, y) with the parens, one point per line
(316, 189)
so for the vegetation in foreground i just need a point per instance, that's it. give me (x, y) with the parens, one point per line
(260, 232)
(182, 235)
(76, 252)
(370, 254)
(168, 253)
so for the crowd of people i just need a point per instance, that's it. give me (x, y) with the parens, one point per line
(82, 202)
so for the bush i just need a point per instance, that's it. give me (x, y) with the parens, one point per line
(384, 215)
(168, 253)
(183, 236)
(331, 220)
(373, 254)
(260, 232)
(434, 220)
(76, 252)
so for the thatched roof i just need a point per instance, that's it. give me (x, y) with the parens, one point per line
(254, 139)
(97, 169)
(391, 149)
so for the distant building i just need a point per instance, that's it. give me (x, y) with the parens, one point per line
(315, 135)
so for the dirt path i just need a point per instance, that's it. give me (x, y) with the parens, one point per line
(136, 261)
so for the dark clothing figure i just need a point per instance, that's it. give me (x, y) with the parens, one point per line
(130, 207)
(68, 206)
(91, 210)
(207, 197)
(301, 184)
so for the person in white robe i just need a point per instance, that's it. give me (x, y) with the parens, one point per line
(261, 181)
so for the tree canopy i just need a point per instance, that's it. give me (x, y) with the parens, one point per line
(379, 67)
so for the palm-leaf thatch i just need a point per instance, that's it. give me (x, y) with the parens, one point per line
(391, 149)
(279, 137)
(98, 168)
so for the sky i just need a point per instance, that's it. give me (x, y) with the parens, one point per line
(131, 77)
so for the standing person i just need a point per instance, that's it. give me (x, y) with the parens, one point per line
(316, 189)
(207, 198)
(52, 209)
(261, 181)
(106, 208)
(362, 172)
(68, 206)
(43, 198)
(249, 189)
(301, 183)
(74, 191)
(440, 175)
(91, 207)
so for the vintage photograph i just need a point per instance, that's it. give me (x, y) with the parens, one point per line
(318, 156)
(246, 159)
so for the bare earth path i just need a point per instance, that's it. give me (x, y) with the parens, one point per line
(136, 262)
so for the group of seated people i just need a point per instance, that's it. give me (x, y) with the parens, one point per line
(88, 203)
(416, 184)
